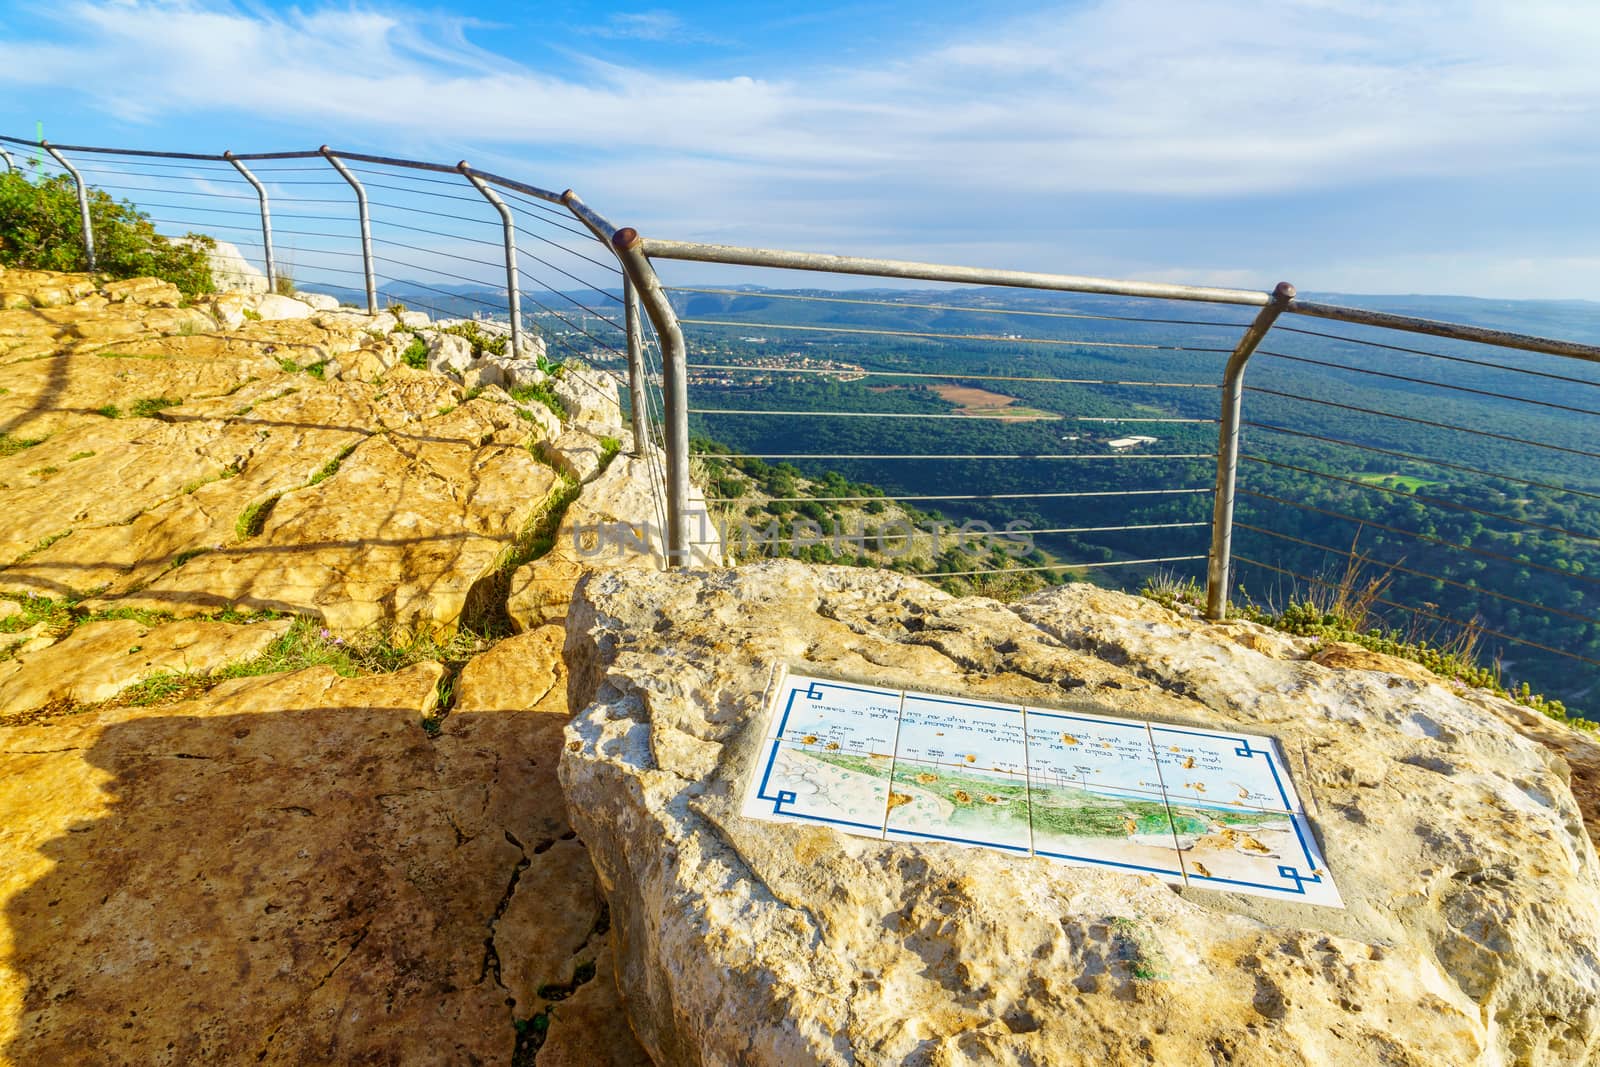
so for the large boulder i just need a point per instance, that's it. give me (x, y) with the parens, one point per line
(449, 354)
(272, 307)
(289, 869)
(590, 397)
(1469, 932)
(230, 271)
(318, 301)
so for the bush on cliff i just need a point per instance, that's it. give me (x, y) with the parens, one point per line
(41, 229)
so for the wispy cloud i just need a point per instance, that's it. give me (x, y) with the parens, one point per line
(1082, 99)
(648, 26)
(1009, 119)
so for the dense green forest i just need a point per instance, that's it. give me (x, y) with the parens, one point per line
(1455, 480)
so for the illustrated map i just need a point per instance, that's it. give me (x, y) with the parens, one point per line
(1209, 809)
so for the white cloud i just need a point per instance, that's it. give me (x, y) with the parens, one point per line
(1193, 99)
(1185, 97)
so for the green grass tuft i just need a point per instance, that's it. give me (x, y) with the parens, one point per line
(253, 518)
(542, 393)
(10, 445)
(330, 468)
(147, 406)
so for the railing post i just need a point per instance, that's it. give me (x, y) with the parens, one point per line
(83, 199)
(366, 226)
(638, 404)
(266, 220)
(508, 225)
(1228, 450)
(636, 384)
(675, 389)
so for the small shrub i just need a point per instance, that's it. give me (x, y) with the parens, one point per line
(494, 344)
(41, 229)
(416, 355)
(284, 285)
(541, 392)
(110, 411)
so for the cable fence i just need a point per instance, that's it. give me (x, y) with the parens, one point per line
(991, 430)
(834, 427)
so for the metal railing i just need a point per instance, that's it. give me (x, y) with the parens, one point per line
(1346, 421)
(437, 237)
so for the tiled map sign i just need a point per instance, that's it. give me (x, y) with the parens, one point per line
(1205, 808)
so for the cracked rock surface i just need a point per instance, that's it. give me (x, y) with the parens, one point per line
(1470, 935)
(289, 870)
(294, 867)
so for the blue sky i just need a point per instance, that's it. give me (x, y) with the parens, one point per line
(1388, 146)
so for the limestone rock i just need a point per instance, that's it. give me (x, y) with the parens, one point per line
(510, 713)
(532, 348)
(519, 372)
(1470, 934)
(449, 354)
(272, 307)
(43, 288)
(288, 870)
(412, 320)
(576, 453)
(600, 530)
(590, 397)
(98, 660)
(230, 270)
(318, 301)
(228, 309)
(150, 291)
(482, 375)
(410, 525)
(589, 1029)
(547, 421)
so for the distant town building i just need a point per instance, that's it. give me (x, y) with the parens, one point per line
(1122, 444)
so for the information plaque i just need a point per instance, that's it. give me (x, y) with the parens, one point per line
(1211, 809)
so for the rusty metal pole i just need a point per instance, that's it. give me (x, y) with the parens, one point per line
(674, 387)
(266, 220)
(366, 226)
(635, 331)
(1228, 450)
(83, 199)
(509, 226)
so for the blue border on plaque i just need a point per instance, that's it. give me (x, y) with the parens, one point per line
(785, 796)
(818, 684)
(1287, 872)
(1242, 747)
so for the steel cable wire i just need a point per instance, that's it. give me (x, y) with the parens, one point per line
(1429, 538)
(1529, 523)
